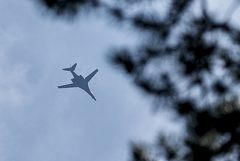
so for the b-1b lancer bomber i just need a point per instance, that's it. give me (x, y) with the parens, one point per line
(79, 81)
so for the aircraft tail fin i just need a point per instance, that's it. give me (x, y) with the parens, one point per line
(71, 69)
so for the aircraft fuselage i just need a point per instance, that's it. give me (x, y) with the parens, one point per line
(79, 81)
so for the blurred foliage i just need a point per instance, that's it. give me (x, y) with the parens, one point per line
(189, 63)
(68, 8)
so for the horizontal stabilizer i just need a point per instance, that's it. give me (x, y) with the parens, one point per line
(71, 69)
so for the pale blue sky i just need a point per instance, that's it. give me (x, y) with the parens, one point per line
(40, 122)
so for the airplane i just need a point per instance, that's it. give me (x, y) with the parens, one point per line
(79, 81)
